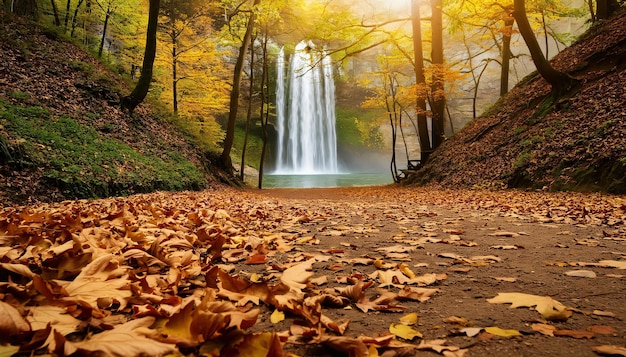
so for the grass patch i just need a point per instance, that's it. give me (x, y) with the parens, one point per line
(85, 164)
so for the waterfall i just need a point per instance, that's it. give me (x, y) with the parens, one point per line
(305, 109)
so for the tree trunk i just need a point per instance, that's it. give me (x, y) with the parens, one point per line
(68, 6)
(107, 16)
(438, 105)
(264, 99)
(506, 56)
(174, 72)
(229, 140)
(138, 94)
(248, 116)
(55, 12)
(420, 80)
(606, 8)
(558, 80)
(75, 18)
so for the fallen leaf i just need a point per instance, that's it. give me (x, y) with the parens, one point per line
(277, 316)
(581, 273)
(574, 334)
(471, 331)
(11, 323)
(544, 329)
(501, 332)
(545, 305)
(457, 320)
(603, 313)
(128, 339)
(504, 234)
(619, 264)
(601, 329)
(404, 331)
(610, 350)
(409, 319)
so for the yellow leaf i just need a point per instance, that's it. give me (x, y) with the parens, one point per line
(501, 332)
(547, 307)
(407, 271)
(404, 331)
(409, 319)
(254, 277)
(277, 316)
(372, 352)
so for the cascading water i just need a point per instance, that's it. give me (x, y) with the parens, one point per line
(305, 109)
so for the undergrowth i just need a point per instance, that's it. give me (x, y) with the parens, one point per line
(83, 163)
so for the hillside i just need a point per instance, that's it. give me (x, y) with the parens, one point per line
(531, 140)
(63, 135)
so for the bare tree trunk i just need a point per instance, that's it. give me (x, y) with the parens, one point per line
(420, 80)
(558, 80)
(107, 16)
(229, 140)
(248, 115)
(506, 56)
(68, 6)
(75, 18)
(438, 105)
(264, 108)
(606, 8)
(55, 12)
(138, 94)
(174, 72)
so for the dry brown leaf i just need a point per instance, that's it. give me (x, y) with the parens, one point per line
(11, 321)
(128, 339)
(418, 294)
(601, 329)
(544, 329)
(610, 350)
(581, 273)
(574, 334)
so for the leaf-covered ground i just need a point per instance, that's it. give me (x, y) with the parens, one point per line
(531, 139)
(361, 272)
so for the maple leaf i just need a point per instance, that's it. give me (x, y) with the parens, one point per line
(57, 317)
(100, 279)
(545, 305)
(124, 340)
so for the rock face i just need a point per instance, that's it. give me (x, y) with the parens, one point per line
(530, 139)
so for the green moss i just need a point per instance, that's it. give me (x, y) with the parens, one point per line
(83, 163)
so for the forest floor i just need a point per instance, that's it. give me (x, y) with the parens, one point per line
(357, 271)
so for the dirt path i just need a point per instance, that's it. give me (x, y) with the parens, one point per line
(345, 266)
(484, 244)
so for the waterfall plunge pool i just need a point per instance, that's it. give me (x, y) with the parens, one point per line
(327, 180)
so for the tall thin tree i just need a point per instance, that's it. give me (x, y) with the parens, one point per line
(229, 140)
(131, 101)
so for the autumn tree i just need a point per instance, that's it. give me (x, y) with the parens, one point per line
(131, 101)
